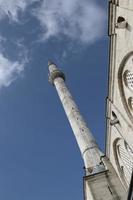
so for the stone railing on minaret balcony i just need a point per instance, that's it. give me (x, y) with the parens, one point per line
(86, 142)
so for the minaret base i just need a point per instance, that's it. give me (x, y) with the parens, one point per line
(104, 185)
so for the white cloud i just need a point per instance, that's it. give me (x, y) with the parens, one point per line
(81, 20)
(9, 70)
(11, 8)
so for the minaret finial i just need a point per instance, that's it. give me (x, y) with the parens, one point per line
(50, 62)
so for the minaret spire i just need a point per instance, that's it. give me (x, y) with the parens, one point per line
(86, 142)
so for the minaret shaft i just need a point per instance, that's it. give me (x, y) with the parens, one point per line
(86, 142)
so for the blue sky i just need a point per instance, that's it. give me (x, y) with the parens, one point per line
(39, 157)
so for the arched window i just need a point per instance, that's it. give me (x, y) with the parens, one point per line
(125, 159)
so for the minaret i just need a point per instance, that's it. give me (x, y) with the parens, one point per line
(86, 142)
(101, 182)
